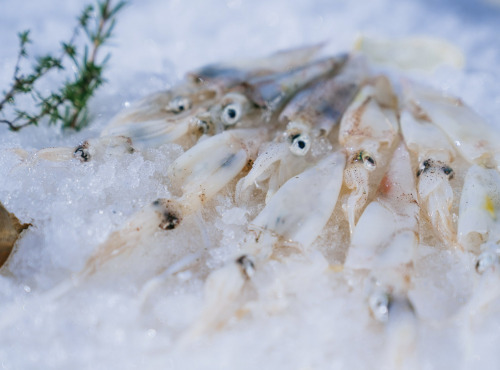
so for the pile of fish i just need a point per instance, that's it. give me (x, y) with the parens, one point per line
(304, 137)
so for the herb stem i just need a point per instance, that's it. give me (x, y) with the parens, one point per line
(70, 103)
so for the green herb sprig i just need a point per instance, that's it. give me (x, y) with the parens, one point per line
(67, 105)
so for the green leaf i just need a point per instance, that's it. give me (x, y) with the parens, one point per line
(73, 96)
(24, 37)
(85, 16)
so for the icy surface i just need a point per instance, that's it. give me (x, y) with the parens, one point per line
(133, 312)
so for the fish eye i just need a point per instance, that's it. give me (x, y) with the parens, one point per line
(485, 261)
(379, 306)
(367, 160)
(203, 126)
(231, 114)
(82, 152)
(247, 266)
(448, 171)
(179, 104)
(424, 167)
(300, 145)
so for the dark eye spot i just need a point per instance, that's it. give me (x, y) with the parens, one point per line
(244, 260)
(424, 167)
(300, 144)
(247, 266)
(367, 160)
(447, 170)
(178, 104)
(82, 152)
(479, 266)
(231, 114)
(203, 126)
(169, 221)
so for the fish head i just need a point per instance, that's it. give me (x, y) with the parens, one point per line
(235, 110)
(298, 137)
(164, 117)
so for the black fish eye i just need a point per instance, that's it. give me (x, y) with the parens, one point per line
(300, 144)
(203, 126)
(380, 304)
(367, 160)
(179, 104)
(424, 166)
(231, 114)
(447, 170)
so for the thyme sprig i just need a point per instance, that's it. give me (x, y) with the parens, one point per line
(68, 104)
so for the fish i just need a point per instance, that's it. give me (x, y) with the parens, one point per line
(196, 177)
(198, 105)
(339, 170)
(203, 170)
(287, 219)
(368, 130)
(310, 116)
(435, 156)
(472, 137)
(386, 234)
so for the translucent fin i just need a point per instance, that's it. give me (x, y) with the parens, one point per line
(179, 103)
(478, 220)
(206, 168)
(471, 135)
(263, 168)
(222, 295)
(61, 154)
(163, 214)
(321, 105)
(239, 71)
(273, 91)
(153, 133)
(425, 139)
(423, 53)
(366, 125)
(301, 207)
